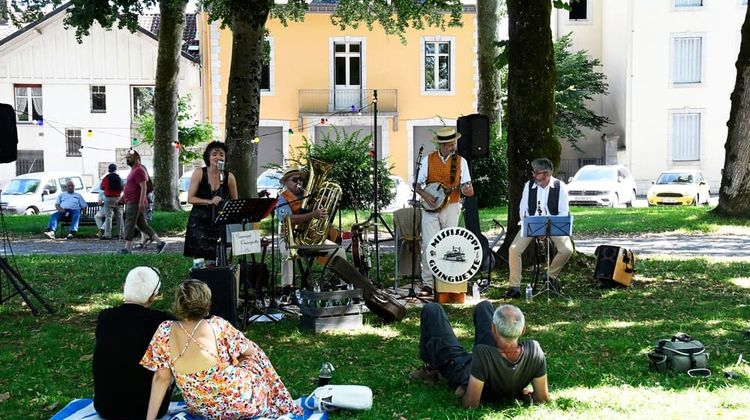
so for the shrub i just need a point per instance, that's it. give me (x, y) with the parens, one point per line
(351, 157)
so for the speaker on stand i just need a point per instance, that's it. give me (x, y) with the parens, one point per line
(475, 136)
(223, 282)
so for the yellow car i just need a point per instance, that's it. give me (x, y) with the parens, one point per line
(679, 187)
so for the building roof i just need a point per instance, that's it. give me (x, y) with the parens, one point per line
(190, 42)
(189, 36)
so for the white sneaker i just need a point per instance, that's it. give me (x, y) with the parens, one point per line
(50, 234)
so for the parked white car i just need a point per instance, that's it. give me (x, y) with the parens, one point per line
(36, 192)
(402, 194)
(602, 185)
(679, 187)
(269, 181)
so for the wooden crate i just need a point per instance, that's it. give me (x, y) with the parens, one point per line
(327, 311)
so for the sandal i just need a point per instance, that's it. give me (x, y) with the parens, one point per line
(145, 244)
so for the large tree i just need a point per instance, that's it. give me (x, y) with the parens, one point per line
(489, 77)
(82, 14)
(247, 19)
(531, 98)
(734, 194)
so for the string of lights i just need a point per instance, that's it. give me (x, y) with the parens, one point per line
(91, 131)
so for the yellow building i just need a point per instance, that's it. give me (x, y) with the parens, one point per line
(318, 74)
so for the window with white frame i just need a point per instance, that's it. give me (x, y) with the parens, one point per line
(687, 60)
(29, 106)
(142, 100)
(98, 99)
(688, 3)
(578, 10)
(266, 72)
(686, 136)
(437, 64)
(72, 142)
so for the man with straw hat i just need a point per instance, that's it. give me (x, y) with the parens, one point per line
(442, 166)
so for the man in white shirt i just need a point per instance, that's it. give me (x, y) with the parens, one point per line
(543, 195)
(442, 166)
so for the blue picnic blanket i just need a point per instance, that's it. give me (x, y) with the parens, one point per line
(83, 409)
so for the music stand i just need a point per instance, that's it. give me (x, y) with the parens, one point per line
(245, 211)
(547, 226)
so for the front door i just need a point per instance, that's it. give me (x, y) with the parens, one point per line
(347, 69)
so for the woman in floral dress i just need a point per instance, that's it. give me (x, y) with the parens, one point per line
(221, 373)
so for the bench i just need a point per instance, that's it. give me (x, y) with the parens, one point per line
(87, 215)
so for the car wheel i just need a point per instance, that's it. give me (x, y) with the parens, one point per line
(616, 202)
(631, 202)
(31, 211)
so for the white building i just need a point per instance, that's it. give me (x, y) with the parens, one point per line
(76, 103)
(670, 69)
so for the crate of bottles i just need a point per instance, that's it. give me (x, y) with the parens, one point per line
(330, 310)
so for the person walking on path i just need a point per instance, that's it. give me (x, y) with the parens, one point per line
(134, 196)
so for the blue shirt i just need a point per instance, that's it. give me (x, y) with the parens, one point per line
(71, 201)
(283, 208)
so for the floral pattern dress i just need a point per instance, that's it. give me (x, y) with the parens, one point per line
(232, 388)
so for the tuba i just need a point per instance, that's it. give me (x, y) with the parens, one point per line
(321, 194)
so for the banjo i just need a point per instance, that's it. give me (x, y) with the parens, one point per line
(441, 194)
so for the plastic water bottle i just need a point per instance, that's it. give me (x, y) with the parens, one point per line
(529, 293)
(475, 292)
(324, 377)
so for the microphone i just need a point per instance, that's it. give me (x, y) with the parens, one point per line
(419, 156)
(220, 166)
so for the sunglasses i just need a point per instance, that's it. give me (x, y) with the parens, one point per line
(158, 280)
(295, 179)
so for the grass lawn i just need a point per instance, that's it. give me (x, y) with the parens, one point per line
(588, 221)
(596, 343)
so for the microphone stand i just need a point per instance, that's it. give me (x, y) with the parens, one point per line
(417, 166)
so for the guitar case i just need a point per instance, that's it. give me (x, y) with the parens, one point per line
(380, 303)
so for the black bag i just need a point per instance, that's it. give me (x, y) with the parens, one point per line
(680, 354)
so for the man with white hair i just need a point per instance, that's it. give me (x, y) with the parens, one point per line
(500, 368)
(121, 385)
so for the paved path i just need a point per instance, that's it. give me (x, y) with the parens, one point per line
(715, 246)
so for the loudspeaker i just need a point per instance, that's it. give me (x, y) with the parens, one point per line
(475, 136)
(223, 284)
(614, 266)
(8, 134)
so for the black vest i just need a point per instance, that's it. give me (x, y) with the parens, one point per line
(553, 199)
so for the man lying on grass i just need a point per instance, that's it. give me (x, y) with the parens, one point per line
(500, 368)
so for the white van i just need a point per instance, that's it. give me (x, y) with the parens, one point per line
(37, 192)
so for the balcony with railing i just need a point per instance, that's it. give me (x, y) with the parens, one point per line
(335, 101)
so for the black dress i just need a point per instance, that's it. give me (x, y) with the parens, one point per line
(202, 235)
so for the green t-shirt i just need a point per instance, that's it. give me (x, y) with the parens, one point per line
(503, 379)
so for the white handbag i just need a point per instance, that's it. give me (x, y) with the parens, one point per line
(332, 397)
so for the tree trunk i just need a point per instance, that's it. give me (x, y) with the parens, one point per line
(734, 194)
(489, 76)
(531, 99)
(165, 104)
(243, 94)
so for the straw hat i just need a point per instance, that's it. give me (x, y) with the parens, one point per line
(446, 135)
(289, 172)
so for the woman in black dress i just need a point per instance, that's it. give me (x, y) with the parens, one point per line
(208, 188)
